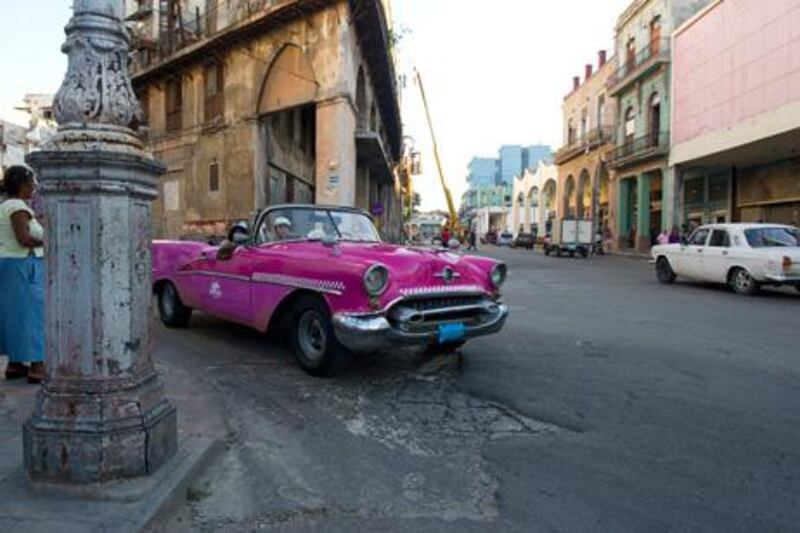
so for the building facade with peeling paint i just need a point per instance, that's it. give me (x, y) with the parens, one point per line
(256, 103)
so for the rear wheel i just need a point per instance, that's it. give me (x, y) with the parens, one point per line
(742, 282)
(170, 307)
(664, 271)
(313, 340)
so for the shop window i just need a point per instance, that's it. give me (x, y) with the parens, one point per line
(174, 108)
(213, 176)
(693, 192)
(214, 81)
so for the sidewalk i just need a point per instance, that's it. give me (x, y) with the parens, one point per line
(120, 506)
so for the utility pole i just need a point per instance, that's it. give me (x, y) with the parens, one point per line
(101, 414)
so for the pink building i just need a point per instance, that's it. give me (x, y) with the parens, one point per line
(736, 116)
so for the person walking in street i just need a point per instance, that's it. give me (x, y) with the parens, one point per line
(473, 240)
(21, 279)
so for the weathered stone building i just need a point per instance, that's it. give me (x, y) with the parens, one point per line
(259, 102)
(583, 177)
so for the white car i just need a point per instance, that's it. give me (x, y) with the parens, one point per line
(505, 239)
(745, 256)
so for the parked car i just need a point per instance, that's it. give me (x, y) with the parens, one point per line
(489, 238)
(523, 240)
(505, 239)
(745, 256)
(323, 275)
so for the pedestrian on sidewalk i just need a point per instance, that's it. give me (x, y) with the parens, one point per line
(675, 235)
(663, 237)
(21, 279)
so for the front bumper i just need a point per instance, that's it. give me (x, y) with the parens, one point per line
(366, 334)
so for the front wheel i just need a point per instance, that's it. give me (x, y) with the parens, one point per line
(171, 309)
(313, 339)
(742, 282)
(664, 271)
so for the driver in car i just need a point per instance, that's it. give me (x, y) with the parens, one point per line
(283, 229)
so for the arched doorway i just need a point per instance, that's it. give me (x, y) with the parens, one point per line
(287, 112)
(569, 202)
(548, 205)
(584, 196)
(603, 212)
(519, 213)
(532, 219)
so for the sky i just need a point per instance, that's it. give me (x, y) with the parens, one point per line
(494, 72)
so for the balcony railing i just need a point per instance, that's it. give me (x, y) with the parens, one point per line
(640, 149)
(192, 26)
(631, 68)
(594, 138)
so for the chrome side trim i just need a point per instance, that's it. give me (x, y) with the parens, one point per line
(336, 288)
(209, 273)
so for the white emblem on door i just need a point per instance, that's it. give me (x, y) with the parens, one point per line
(215, 291)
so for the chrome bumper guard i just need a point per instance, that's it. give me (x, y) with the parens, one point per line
(372, 333)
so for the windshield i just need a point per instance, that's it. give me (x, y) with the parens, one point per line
(772, 237)
(298, 224)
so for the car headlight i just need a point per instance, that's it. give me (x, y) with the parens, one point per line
(498, 275)
(376, 279)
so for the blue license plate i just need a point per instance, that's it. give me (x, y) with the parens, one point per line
(451, 333)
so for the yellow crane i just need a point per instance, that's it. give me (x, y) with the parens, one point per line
(452, 224)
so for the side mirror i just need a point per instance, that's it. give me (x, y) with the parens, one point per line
(329, 240)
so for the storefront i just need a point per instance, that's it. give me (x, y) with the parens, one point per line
(706, 196)
(769, 193)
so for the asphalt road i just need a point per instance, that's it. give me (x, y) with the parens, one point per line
(609, 403)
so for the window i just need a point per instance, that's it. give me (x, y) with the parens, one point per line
(213, 176)
(214, 85)
(720, 239)
(655, 36)
(174, 105)
(570, 132)
(630, 125)
(584, 123)
(601, 109)
(655, 119)
(699, 237)
(777, 237)
(630, 54)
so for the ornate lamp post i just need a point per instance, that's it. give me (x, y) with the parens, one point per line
(101, 413)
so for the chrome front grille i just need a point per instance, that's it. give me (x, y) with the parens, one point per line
(426, 314)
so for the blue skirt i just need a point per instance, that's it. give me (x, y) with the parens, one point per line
(22, 309)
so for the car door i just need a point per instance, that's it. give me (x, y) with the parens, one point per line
(716, 258)
(691, 262)
(230, 287)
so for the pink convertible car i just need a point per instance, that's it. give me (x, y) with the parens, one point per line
(323, 274)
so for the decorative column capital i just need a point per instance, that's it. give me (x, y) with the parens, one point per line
(96, 102)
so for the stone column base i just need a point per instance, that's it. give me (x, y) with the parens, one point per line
(122, 434)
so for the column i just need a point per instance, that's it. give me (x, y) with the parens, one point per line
(669, 198)
(101, 413)
(643, 213)
(623, 212)
(336, 152)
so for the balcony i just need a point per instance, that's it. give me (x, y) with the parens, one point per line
(646, 61)
(595, 138)
(640, 149)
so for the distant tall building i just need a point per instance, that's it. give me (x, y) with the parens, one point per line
(482, 172)
(535, 154)
(510, 164)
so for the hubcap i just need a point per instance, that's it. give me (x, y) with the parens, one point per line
(311, 336)
(743, 280)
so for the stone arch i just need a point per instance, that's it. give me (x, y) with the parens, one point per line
(584, 195)
(569, 198)
(602, 203)
(549, 195)
(361, 99)
(290, 81)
